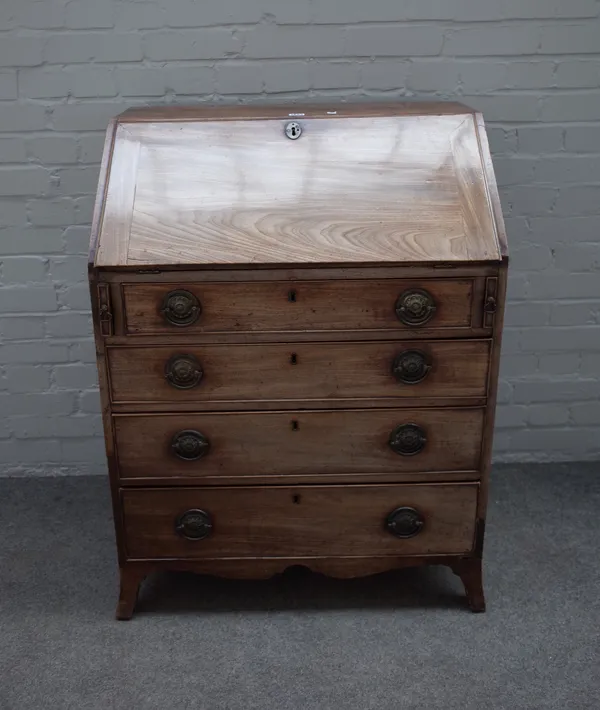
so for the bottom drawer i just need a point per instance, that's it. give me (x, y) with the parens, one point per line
(300, 521)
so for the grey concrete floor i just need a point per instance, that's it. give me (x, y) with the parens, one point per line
(398, 640)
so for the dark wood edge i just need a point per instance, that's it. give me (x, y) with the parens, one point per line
(274, 410)
(494, 369)
(189, 272)
(492, 185)
(165, 337)
(246, 266)
(101, 191)
(341, 479)
(172, 407)
(324, 109)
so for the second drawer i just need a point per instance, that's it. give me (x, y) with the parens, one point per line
(298, 443)
(299, 371)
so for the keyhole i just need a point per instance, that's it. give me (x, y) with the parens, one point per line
(293, 359)
(292, 296)
(293, 130)
(296, 499)
(295, 425)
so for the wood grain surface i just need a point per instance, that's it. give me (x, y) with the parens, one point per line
(317, 305)
(350, 190)
(302, 371)
(298, 442)
(113, 241)
(299, 521)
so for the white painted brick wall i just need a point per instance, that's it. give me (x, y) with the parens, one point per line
(66, 67)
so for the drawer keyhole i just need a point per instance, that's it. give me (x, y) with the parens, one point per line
(296, 499)
(292, 296)
(295, 425)
(293, 359)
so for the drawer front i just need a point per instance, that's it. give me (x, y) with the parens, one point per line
(302, 371)
(301, 521)
(298, 306)
(298, 442)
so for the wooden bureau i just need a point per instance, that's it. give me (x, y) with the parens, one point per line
(297, 317)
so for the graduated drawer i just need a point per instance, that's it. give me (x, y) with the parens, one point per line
(280, 306)
(299, 371)
(300, 521)
(237, 444)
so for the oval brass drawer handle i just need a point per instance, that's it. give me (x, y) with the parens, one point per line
(404, 522)
(407, 439)
(190, 445)
(194, 524)
(415, 307)
(183, 371)
(181, 308)
(411, 367)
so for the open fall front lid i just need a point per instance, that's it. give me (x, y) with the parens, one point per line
(360, 185)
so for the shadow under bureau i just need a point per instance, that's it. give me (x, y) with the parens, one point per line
(297, 316)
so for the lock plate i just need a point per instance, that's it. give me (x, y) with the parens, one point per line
(293, 130)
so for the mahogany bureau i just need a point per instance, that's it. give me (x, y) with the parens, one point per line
(297, 317)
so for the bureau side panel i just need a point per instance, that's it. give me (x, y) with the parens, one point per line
(488, 431)
(102, 311)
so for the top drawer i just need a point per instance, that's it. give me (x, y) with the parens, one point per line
(283, 306)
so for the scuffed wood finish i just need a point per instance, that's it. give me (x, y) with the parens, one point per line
(302, 442)
(349, 190)
(304, 371)
(302, 521)
(305, 306)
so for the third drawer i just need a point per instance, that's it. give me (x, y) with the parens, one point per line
(240, 445)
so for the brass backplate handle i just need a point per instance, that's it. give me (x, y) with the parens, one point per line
(194, 524)
(183, 371)
(408, 439)
(411, 367)
(404, 522)
(181, 308)
(190, 445)
(415, 307)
